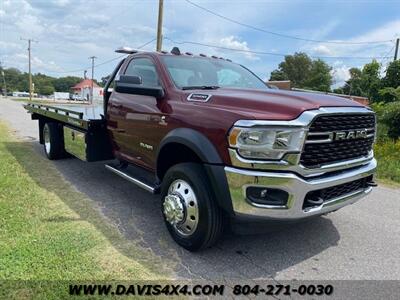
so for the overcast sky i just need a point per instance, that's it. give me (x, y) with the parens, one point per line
(69, 31)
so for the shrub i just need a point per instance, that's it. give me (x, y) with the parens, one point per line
(388, 156)
(391, 118)
(379, 109)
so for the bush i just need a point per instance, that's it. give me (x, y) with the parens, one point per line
(388, 156)
(379, 109)
(391, 118)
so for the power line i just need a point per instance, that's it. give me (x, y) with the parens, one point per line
(268, 53)
(281, 34)
(386, 56)
(102, 63)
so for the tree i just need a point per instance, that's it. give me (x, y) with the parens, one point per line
(392, 77)
(353, 85)
(278, 75)
(320, 77)
(370, 80)
(390, 93)
(64, 84)
(303, 72)
(43, 84)
(45, 90)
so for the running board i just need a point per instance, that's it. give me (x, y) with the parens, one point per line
(128, 173)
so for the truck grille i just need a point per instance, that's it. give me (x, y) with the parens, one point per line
(336, 191)
(316, 153)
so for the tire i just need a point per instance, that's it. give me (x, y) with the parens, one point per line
(200, 224)
(53, 141)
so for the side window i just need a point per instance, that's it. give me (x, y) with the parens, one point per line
(144, 68)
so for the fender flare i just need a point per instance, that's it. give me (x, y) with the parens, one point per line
(213, 164)
(194, 140)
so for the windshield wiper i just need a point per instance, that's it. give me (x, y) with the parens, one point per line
(200, 87)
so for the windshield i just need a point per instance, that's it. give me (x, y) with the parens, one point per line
(200, 72)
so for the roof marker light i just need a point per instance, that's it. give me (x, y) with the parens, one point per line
(176, 51)
(126, 50)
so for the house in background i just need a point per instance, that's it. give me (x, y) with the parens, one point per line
(81, 91)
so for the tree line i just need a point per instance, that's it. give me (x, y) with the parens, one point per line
(315, 74)
(303, 72)
(43, 84)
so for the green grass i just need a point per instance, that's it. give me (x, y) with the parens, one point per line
(387, 153)
(51, 232)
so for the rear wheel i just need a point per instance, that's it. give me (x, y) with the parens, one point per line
(53, 141)
(191, 214)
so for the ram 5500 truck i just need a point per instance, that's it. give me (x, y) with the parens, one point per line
(217, 143)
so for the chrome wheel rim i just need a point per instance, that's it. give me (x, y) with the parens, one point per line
(180, 207)
(46, 137)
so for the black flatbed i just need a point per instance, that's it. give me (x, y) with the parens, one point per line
(80, 116)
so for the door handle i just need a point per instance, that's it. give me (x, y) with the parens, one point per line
(120, 130)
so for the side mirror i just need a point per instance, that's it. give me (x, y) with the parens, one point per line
(129, 84)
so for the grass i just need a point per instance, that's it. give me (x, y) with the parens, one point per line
(387, 153)
(51, 232)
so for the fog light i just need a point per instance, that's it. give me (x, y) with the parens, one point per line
(267, 196)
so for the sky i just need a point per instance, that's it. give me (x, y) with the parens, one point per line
(68, 32)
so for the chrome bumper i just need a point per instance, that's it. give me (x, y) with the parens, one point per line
(296, 187)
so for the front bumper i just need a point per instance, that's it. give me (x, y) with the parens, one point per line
(297, 189)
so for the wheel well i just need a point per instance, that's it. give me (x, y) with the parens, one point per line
(42, 122)
(172, 154)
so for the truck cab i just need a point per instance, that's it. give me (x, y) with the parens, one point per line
(220, 146)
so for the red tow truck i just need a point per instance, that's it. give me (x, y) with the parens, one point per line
(218, 144)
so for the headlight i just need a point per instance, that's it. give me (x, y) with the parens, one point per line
(266, 142)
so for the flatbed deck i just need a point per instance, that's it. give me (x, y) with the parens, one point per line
(76, 115)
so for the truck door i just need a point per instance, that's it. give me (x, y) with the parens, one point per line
(139, 117)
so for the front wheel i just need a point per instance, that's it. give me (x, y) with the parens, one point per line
(190, 211)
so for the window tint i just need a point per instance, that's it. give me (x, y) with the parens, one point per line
(144, 68)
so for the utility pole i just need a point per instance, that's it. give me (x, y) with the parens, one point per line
(396, 51)
(159, 26)
(92, 87)
(4, 80)
(29, 57)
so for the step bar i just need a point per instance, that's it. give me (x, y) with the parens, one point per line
(120, 172)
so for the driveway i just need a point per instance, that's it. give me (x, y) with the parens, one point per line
(361, 241)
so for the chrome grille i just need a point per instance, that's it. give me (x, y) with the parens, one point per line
(322, 148)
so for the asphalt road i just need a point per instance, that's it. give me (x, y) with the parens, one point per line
(361, 241)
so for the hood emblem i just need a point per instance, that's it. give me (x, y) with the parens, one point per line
(198, 97)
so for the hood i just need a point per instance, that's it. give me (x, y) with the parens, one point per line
(268, 104)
